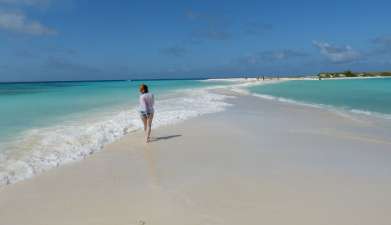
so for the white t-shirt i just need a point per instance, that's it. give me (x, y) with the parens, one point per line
(147, 102)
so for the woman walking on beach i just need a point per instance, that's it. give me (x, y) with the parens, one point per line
(147, 101)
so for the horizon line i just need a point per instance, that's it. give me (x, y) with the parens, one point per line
(139, 79)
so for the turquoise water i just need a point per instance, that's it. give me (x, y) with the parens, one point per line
(359, 95)
(33, 105)
(44, 125)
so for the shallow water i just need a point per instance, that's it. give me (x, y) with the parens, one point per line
(44, 125)
(367, 96)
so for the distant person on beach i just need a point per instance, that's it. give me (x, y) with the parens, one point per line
(146, 109)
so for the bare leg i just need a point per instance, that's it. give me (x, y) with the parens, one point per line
(149, 127)
(144, 119)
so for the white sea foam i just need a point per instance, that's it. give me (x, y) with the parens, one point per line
(280, 99)
(364, 112)
(370, 113)
(345, 112)
(41, 149)
(226, 79)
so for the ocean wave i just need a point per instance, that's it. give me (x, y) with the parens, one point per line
(343, 111)
(370, 113)
(287, 100)
(41, 149)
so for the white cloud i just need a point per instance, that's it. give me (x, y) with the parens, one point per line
(383, 45)
(25, 2)
(19, 23)
(273, 56)
(177, 51)
(337, 54)
(282, 54)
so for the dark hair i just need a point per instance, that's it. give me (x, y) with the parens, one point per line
(143, 88)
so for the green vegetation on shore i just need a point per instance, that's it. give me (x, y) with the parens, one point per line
(349, 73)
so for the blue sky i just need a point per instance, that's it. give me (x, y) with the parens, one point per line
(122, 39)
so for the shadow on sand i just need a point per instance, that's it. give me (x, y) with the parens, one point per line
(164, 137)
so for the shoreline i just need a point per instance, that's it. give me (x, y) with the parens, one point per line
(29, 166)
(244, 79)
(336, 109)
(236, 88)
(325, 169)
(88, 135)
(251, 79)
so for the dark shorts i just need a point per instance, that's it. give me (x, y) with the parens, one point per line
(145, 114)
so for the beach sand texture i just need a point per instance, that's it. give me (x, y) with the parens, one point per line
(258, 162)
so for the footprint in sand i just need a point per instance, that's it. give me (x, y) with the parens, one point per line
(141, 222)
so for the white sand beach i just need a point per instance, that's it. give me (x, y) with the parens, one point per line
(259, 162)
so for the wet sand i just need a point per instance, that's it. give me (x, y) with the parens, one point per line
(259, 162)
